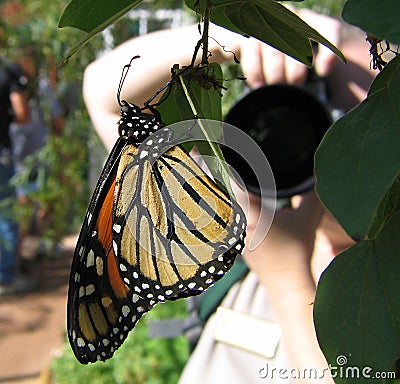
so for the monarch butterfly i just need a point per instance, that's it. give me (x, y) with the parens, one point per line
(157, 228)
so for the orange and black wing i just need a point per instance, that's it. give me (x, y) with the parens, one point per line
(101, 308)
(175, 231)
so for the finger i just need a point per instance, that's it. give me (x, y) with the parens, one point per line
(273, 65)
(295, 72)
(325, 61)
(251, 62)
(329, 28)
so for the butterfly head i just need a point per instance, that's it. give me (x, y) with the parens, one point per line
(136, 125)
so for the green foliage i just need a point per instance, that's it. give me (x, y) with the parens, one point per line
(381, 19)
(139, 360)
(269, 22)
(357, 167)
(281, 28)
(61, 168)
(357, 310)
(356, 144)
(327, 7)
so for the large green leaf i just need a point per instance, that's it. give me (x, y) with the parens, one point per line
(271, 23)
(380, 18)
(88, 15)
(199, 81)
(357, 311)
(92, 16)
(359, 158)
(197, 94)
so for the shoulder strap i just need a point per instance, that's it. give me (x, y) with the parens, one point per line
(211, 298)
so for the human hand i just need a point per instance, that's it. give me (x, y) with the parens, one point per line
(283, 258)
(262, 64)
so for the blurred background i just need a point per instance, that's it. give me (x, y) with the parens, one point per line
(63, 159)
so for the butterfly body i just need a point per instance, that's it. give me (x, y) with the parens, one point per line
(157, 228)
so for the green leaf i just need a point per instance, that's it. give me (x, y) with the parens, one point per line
(356, 310)
(200, 82)
(380, 18)
(388, 206)
(198, 95)
(88, 15)
(359, 158)
(271, 23)
(92, 16)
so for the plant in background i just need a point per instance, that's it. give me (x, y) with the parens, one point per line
(60, 167)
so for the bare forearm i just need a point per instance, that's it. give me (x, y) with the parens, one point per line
(158, 51)
(20, 107)
(293, 306)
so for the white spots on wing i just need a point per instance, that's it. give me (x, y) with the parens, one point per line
(115, 247)
(117, 228)
(90, 289)
(99, 266)
(232, 240)
(125, 310)
(106, 301)
(90, 259)
(143, 154)
(135, 298)
(81, 291)
(123, 268)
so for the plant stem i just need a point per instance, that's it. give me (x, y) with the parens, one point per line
(204, 38)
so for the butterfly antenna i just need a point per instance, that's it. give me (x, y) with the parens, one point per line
(125, 71)
(175, 74)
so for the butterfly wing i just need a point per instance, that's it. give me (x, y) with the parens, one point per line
(175, 231)
(101, 310)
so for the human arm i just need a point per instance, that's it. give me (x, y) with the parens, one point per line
(18, 95)
(158, 51)
(20, 107)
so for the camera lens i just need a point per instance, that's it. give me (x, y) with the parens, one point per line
(288, 123)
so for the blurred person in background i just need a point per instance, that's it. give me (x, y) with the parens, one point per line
(47, 118)
(13, 107)
(303, 239)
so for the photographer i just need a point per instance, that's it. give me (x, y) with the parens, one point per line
(302, 240)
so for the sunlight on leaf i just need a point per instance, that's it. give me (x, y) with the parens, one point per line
(356, 309)
(356, 145)
(92, 16)
(271, 23)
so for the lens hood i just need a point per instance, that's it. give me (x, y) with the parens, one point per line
(288, 123)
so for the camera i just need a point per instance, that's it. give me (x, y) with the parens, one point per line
(287, 122)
